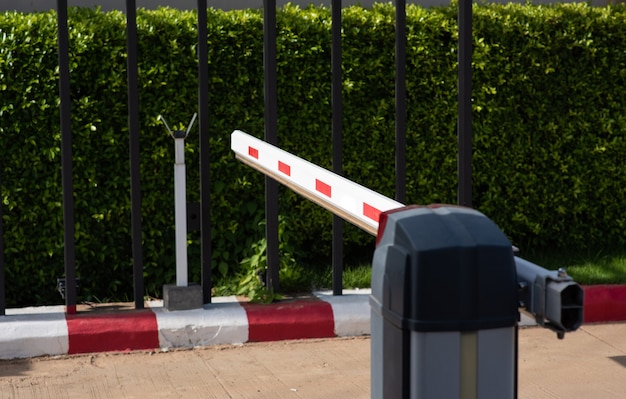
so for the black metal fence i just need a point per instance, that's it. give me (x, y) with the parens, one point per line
(2, 293)
(271, 136)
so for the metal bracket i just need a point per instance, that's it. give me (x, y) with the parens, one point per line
(61, 286)
(178, 134)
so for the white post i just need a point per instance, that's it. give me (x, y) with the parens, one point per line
(180, 204)
(181, 296)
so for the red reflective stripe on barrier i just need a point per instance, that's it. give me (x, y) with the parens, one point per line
(323, 188)
(112, 332)
(253, 152)
(371, 212)
(283, 167)
(289, 320)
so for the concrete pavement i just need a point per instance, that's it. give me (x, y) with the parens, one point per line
(588, 364)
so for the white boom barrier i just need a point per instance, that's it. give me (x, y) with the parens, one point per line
(362, 207)
(355, 203)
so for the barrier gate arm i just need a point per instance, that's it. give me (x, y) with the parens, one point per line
(353, 202)
(551, 297)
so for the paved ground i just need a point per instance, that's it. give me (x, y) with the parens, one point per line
(589, 363)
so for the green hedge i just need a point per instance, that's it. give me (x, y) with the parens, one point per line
(549, 95)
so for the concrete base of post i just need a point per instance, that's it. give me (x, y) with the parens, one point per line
(182, 298)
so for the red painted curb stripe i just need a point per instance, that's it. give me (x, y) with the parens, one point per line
(289, 320)
(604, 303)
(112, 332)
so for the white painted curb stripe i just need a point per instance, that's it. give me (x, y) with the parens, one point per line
(222, 322)
(31, 332)
(351, 311)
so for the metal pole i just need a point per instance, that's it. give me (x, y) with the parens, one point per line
(133, 127)
(180, 206)
(66, 158)
(464, 124)
(2, 264)
(271, 136)
(203, 126)
(337, 107)
(401, 100)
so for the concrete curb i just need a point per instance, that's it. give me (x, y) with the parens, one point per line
(40, 331)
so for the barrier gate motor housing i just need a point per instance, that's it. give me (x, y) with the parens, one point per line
(446, 288)
(444, 306)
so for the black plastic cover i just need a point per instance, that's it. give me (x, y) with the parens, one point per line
(445, 269)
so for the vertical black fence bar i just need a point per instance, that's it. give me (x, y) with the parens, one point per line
(66, 157)
(401, 101)
(337, 111)
(464, 124)
(203, 126)
(133, 131)
(3, 303)
(271, 136)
